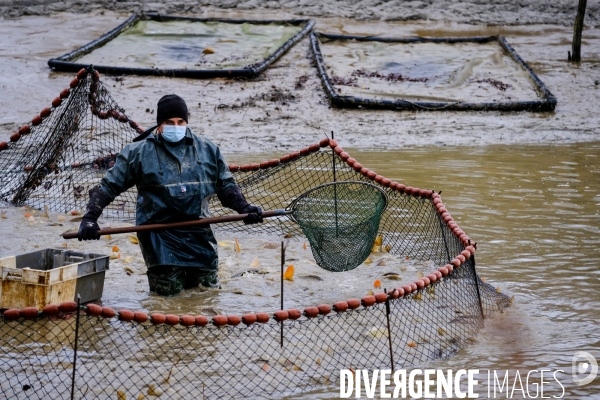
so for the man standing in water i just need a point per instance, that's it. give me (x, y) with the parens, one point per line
(176, 174)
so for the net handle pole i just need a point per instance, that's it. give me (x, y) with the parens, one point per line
(184, 224)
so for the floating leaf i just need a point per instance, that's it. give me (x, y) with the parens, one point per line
(369, 260)
(378, 333)
(114, 256)
(376, 249)
(431, 289)
(289, 273)
(121, 395)
(304, 246)
(419, 275)
(498, 290)
(377, 284)
(318, 361)
(381, 263)
(140, 396)
(237, 245)
(255, 262)
(128, 270)
(370, 292)
(418, 296)
(107, 237)
(441, 331)
(378, 240)
(133, 239)
(297, 368)
(412, 344)
(387, 248)
(154, 391)
(115, 249)
(512, 298)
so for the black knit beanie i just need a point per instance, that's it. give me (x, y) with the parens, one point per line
(171, 106)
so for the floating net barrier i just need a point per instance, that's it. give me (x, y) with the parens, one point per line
(449, 74)
(88, 351)
(65, 150)
(187, 47)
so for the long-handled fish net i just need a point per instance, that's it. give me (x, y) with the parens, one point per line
(340, 221)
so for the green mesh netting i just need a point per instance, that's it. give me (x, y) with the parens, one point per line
(340, 221)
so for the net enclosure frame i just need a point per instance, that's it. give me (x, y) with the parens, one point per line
(68, 62)
(75, 351)
(547, 101)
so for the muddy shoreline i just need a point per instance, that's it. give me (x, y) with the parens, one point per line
(489, 12)
(286, 108)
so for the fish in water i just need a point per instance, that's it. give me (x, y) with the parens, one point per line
(311, 277)
(250, 271)
(289, 273)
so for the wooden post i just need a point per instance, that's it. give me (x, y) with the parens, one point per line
(576, 47)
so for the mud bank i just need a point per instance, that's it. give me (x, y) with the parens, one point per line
(494, 12)
(286, 108)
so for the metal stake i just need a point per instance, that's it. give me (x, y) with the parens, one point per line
(334, 188)
(75, 347)
(477, 286)
(282, 265)
(387, 315)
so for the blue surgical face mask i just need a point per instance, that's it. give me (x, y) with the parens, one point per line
(173, 133)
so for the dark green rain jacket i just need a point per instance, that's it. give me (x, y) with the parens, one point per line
(175, 182)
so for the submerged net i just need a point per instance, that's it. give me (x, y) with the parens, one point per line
(340, 221)
(63, 152)
(92, 352)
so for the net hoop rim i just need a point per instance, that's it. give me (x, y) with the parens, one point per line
(292, 205)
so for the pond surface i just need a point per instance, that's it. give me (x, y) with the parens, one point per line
(465, 72)
(191, 45)
(535, 213)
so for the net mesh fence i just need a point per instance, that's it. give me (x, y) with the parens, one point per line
(126, 358)
(63, 152)
(85, 355)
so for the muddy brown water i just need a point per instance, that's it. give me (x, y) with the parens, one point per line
(516, 183)
(534, 211)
